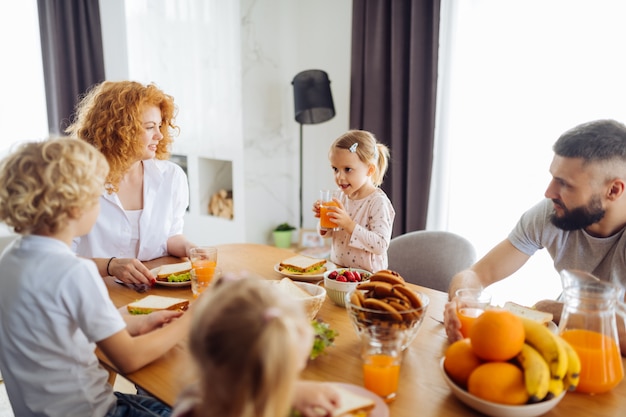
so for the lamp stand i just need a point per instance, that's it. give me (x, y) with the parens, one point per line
(300, 176)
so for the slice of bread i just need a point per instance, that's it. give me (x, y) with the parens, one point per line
(530, 313)
(169, 269)
(302, 264)
(152, 303)
(292, 289)
(352, 404)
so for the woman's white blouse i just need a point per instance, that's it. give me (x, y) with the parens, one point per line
(165, 201)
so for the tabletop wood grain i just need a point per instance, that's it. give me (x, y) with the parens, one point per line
(422, 389)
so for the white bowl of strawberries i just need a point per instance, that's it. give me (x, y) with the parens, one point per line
(339, 282)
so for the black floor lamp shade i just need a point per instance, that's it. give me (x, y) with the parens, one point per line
(313, 101)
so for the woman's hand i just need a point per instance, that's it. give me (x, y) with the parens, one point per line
(130, 271)
(315, 399)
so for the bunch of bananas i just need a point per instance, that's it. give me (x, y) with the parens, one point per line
(549, 362)
(387, 299)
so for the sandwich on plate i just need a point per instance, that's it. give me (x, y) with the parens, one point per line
(302, 265)
(155, 303)
(178, 272)
(352, 404)
(530, 313)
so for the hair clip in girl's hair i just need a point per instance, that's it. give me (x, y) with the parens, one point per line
(353, 147)
(271, 313)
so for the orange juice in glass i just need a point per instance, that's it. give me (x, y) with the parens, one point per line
(381, 373)
(201, 279)
(381, 354)
(470, 303)
(600, 359)
(326, 201)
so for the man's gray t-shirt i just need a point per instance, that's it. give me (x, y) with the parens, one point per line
(603, 257)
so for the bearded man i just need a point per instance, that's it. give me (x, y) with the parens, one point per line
(580, 223)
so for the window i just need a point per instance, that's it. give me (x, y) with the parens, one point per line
(517, 74)
(23, 114)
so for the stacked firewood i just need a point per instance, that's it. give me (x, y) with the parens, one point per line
(221, 204)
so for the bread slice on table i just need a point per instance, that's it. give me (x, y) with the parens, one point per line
(530, 313)
(302, 264)
(352, 404)
(173, 269)
(292, 289)
(152, 303)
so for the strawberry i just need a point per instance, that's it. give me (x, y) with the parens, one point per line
(349, 276)
(341, 278)
(333, 274)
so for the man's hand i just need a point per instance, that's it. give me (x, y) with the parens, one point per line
(315, 399)
(452, 322)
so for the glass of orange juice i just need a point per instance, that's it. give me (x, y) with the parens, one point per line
(201, 279)
(203, 264)
(326, 201)
(470, 303)
(381, 364)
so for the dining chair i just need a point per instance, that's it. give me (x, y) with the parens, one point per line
(430, 258)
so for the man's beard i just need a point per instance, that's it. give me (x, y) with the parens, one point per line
(580, 217)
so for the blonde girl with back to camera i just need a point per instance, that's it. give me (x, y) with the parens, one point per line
(364, 214)
(250, 343)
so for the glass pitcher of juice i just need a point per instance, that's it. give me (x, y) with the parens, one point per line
(588, 323)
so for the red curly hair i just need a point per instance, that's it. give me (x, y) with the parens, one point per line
(109, 117)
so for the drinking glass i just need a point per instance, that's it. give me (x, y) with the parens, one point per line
(381, 363)
(470, 303)
(326, 201)
(202, 278)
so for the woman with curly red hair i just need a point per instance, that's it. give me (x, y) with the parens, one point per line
(145, 196)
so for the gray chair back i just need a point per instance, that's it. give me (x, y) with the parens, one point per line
(430, 258)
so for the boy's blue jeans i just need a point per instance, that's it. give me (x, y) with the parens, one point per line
(130, 405)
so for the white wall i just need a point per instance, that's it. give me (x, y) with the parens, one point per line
(280, 38)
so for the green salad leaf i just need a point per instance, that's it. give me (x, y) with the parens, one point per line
(324, 337)
(179, 278)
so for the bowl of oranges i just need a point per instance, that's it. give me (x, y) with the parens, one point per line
(498, 371)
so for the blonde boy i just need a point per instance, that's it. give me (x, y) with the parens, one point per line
(54, 306)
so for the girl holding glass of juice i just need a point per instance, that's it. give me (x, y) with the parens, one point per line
(362, 212)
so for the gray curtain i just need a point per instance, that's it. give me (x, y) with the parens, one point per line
(393, 95)
(73, 60)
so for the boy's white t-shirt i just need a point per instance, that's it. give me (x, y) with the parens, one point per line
(54, 306)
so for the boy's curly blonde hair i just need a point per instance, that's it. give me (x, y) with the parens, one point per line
(109, 117)
(43, 184)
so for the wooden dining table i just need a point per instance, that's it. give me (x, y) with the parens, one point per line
(422, 390)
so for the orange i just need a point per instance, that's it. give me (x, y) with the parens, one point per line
(460, 360)
(498, 382)
(497, 335)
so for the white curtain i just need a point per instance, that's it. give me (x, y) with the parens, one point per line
(23, 114)
(514, 76)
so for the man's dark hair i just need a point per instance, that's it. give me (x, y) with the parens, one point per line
(599, 140)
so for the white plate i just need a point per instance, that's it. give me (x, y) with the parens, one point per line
(380, 409)
(499, 410)
(154, 272)
(306, 277)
